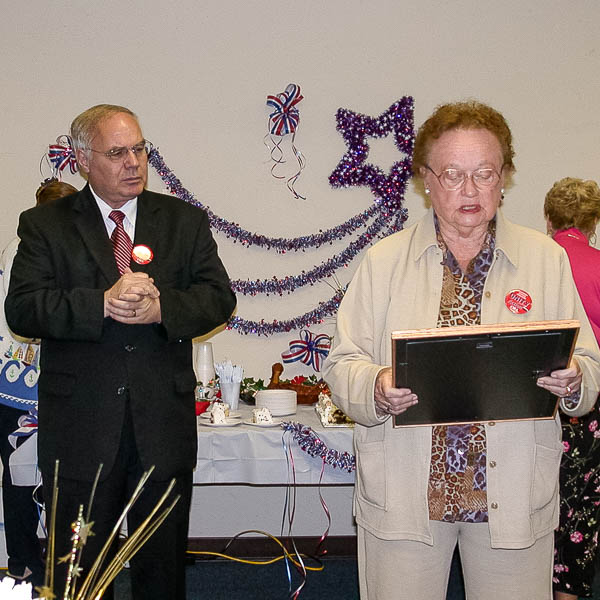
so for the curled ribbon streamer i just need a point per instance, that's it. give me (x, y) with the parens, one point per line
(284, 120)
(309, 349)
(289, 510)
(28, 425)
(62, 155)
(323, 538)
(276, 154)
(301, 163)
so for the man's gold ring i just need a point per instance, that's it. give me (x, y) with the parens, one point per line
(134, 312)
(569, 392)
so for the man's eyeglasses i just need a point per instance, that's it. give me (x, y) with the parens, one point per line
(454, 179)
(140, 151)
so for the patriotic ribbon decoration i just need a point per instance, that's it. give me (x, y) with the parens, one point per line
(309, 349)
(62, 155)
(284, 120)
(28, 424)
(285, 116)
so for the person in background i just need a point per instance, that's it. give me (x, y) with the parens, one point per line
(117, 280)
(572, 211)
(19, 358)
(490, 488)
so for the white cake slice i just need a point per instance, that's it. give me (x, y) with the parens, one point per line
(218, 413)
(261, 415)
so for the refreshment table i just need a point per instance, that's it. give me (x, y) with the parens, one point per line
(241, 479)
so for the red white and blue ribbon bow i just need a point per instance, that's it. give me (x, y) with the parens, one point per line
(28, 424)
(62, 155)
(285, 117)
(309, 349)
(283, 120)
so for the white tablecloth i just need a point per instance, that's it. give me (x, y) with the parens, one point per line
(242, 475)
(253, 455)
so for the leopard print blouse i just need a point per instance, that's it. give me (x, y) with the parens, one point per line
(457, 488)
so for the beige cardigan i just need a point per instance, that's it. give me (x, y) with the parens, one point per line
(398, 286)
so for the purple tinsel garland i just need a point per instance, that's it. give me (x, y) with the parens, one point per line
(317, 315)
(326, 269)
(247, 238)
(351, 170)
(312, 444)
(288, 284)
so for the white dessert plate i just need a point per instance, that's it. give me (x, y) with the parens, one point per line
(233, 414)
(275, 423)
(228, 423)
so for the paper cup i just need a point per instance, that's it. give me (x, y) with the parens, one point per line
(230, 393)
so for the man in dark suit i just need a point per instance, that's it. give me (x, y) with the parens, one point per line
(117, 384)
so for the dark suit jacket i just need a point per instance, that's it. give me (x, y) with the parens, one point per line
(89, 364)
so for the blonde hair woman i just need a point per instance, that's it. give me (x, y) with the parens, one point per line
(572, 210)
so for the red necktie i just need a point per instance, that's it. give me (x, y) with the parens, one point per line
(121, 242)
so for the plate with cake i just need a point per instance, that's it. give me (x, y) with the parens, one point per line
(233, 414)
(221, 407)
(219, 416)
(226, 423)
(262, 417)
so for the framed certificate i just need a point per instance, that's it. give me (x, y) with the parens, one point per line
(480, 373)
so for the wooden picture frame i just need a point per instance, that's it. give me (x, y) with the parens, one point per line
(480, 373)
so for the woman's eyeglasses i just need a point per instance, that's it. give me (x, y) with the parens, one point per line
(454, 179)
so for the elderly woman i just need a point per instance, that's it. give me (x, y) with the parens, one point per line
(490, 488)
(572, 210)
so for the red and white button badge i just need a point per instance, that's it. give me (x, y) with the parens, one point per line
(142, 255)
(518, 302)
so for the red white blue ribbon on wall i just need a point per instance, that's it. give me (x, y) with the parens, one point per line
(61, 155)
(285, 117)
(309, 349)
(284, 120)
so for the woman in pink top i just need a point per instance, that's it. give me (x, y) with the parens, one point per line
(572, 210)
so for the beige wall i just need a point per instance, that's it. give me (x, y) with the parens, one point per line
(197, 74)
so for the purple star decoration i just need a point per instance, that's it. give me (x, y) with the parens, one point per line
(353, 168)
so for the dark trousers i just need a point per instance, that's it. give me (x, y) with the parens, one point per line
(21, 514)
(158, 569)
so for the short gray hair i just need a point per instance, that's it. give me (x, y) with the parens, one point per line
(84, 126)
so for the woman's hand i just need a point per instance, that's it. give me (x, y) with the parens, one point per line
(390, 400)
(563, 383)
